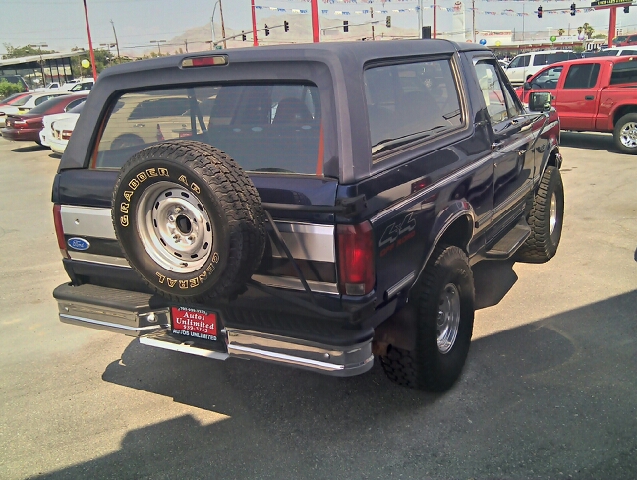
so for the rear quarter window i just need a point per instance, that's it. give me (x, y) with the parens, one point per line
(409, 103)
(625, 72)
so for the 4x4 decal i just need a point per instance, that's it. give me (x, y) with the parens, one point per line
(393, 231)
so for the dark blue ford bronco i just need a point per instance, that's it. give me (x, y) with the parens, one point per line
(309, 205)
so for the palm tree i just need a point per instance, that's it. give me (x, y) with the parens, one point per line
(560, 32)
(587, 29)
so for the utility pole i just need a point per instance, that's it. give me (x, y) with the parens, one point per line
(522, 21)
(435, 8)
(186, 42)
(40, 45)
(473, 24)
(223, 26)
(371, 9)
(158, 42)
(254, 26)
(119, 60)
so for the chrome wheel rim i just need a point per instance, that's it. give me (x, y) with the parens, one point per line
(553, 214)
(174, 228)
(448, 320)
(628, 135)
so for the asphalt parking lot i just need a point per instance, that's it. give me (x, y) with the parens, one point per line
(549, 389)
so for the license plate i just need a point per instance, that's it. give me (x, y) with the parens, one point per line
(194, 323)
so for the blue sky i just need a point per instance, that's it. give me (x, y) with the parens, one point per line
(61, 25)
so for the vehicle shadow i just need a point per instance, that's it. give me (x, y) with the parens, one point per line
(31, 148)
(542, 400)
(588, 141)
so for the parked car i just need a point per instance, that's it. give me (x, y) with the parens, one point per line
(594, 95)
(524, 66)
(26, 103)
(616, 51)
(11, 99)
(27, 126)
(47, 121)
(78, 84)
(628, 41)
(323, 211)
(62, 129)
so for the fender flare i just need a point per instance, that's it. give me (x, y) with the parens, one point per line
(452, 212)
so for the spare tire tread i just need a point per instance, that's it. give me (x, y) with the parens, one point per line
(234, 192)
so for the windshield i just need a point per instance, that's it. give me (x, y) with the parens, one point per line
(263, 127)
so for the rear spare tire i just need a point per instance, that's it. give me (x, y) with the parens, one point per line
(189, 220)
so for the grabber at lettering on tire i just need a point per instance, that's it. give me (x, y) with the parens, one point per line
(189, 220)
(545, 219)
(444, 301)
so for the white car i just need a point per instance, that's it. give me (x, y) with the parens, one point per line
(527, 64)
(25, 104)
(617, 51)
(47, 121)
(61, 132)
(78, 84)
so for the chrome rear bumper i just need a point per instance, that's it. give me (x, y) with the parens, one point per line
(131, 314)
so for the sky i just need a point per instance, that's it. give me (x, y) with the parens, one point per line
(61, 24)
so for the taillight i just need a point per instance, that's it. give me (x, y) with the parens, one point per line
(356, 259)
(59, 230)
(66, 134)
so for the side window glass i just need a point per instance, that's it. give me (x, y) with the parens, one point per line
(582, 76)
(516, 62)
(547, 79)
(625, 72)
(492, 91)
(541, 59)
(408, 102)
(526, 59)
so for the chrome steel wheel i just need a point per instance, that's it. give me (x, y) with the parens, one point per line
(628, 135)
(553, 214)
(448, 320)
(174, 227)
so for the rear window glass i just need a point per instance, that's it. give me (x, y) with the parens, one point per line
(625, 72)
(48, 103)
(582, 76)
(22, 101)
(267, 128)
(411, 102)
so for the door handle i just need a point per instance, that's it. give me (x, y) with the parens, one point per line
(497, 145)
(589, 97)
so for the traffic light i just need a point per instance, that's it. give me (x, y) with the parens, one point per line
(539, 12)
(345, 26)
(243, 36)
(573, 7)
(388, 21)
(286, 26)
(626, 9)
(267, 31)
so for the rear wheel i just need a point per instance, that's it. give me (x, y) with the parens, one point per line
(625, 133)
(444, 303)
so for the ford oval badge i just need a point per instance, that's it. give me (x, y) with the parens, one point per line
(78, 243)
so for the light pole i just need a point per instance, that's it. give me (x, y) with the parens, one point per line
(158, 42)
(109, 46)
(40, 45)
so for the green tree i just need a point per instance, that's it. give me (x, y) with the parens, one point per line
(103, 60)
(8, 88)
(587, 29)
(560, 32)
(17, 52)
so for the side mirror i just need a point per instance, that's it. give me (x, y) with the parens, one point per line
(540, 101)
(527, 86)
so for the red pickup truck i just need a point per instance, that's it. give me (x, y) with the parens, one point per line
(592, 94)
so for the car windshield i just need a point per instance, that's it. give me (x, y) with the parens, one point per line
(264, 127)
(47, 105)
